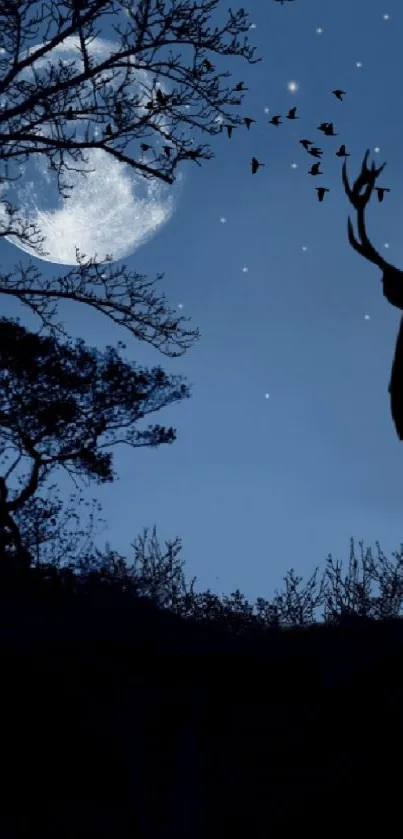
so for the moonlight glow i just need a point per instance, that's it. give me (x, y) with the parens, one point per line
(110, 210)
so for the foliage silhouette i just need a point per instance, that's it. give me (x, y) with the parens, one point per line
(62, 405)
(52, 530)
(43, 101)
(371, 588)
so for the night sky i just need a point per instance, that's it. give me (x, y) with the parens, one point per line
(286, 448)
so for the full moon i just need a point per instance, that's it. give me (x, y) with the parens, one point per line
(110, 212)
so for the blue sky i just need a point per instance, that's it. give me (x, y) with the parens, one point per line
(286, 448)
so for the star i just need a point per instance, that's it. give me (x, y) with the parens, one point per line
(267, 396)
(304, 248)
(386, 17)
(266, 110)
(252, 26)
(358, 63)
(245, 269)
(377, 149)
(319, 30)
(367, 317)
(292, 87)
(223, 219)
(180, 305)
(386, 245)
(294, 165)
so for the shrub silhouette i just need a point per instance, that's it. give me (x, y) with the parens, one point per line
(122, 718)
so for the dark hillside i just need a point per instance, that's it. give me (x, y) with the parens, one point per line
(120, 719)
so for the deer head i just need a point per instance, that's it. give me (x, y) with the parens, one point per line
(392, 277)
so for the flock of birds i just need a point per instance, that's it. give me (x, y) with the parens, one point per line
(328, 130)
(163, 99)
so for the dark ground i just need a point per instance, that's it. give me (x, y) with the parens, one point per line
(123, 722)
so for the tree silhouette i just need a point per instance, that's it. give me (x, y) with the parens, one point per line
(52, 530)
(63, 405)
(43, 103)
(371, 588)
(147, 88)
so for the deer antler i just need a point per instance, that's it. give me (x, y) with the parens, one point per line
(392, 277)
(367, 178)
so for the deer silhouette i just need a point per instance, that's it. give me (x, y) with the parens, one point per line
(392, 277)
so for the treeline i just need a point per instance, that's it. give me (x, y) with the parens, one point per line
(369, 587)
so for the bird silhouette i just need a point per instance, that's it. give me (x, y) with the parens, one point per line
(144, 146)
(329, 130)
(381, 191)
(248, 122)
(292, 113)
(314, 170)
(339, 94)
(162, 99)
(167, 150)
(323, 126)
(118, 108)
(255, 165)
(276, 120)
(108, 130)
(306, 143)
(69, 113)
(230, 129)
(321, 192)
(208, 65)
(240, 86)
(315, 152)
(342, 152)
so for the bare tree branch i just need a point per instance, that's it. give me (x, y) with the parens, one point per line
(127, 299)
(47, 101)
(156, 82)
